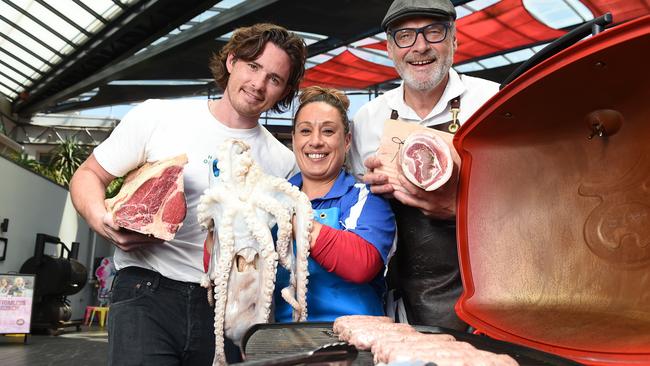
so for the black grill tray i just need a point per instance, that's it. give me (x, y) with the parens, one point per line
(267, 341)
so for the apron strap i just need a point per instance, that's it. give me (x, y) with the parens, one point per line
(424, 274)
(449, 127)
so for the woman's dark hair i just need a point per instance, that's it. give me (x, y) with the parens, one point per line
(331, 96)
(247, 44)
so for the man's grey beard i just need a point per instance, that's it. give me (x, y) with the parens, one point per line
(438, 74)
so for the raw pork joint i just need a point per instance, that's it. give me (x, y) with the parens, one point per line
(425, 160)
(151, 200)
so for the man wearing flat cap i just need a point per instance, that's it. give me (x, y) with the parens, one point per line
(424, 274)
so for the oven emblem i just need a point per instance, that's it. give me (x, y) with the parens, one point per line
(618, 229)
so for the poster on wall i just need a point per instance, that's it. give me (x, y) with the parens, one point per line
(16, 297)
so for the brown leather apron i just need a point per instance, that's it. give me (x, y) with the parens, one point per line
(424, 270)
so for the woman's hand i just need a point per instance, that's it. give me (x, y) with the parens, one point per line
(313, 235)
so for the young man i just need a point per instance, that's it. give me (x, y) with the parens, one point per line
(421, 42)
(159, 313)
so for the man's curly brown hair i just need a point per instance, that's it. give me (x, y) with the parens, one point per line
(247, 44)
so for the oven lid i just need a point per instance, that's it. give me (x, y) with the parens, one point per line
(554, 204)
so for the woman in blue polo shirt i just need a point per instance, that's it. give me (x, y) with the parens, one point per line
(353, 231)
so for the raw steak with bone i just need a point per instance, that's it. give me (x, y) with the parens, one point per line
(239, 210)
(397, 342)
(151, 200)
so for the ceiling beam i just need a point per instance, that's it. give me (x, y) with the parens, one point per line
(62, 16)
(42, 24)
(27, 50)
(30, 35)
(139, 25)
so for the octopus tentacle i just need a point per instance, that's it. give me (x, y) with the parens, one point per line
(241, 206)
(283, 219)
(206, 208)
(267, 251)
(304, 215)
(227, 240)
(283, 244)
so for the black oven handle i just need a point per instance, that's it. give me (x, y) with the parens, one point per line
(339, 353)
(593, 27)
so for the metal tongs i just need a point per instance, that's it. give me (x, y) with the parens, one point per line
(333, 354)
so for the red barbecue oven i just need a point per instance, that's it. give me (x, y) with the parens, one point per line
(554, 204)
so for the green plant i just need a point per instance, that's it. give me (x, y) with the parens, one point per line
(114, 187)
(24, 160)
(65, 160)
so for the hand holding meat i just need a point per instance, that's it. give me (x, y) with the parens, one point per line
(380, 183)
(124, 239)
(439, 203)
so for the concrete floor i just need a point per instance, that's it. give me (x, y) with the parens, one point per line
(87, 347)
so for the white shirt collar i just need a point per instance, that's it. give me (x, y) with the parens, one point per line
(454, 88)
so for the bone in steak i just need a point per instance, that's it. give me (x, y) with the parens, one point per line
(425, 160)
(151, 200)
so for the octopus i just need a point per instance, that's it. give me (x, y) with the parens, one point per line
(239, 210)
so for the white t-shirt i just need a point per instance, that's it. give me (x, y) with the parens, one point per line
(368, 123)
(159, 129)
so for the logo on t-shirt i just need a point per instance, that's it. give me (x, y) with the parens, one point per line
(215, 168)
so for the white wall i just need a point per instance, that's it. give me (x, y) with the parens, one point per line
(34, 205)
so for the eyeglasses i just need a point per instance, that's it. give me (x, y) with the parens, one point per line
(432, 33)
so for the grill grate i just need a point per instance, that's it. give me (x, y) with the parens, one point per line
(267, 341)
(274, 340)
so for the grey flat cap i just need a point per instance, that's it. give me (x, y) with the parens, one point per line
(407, 8)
